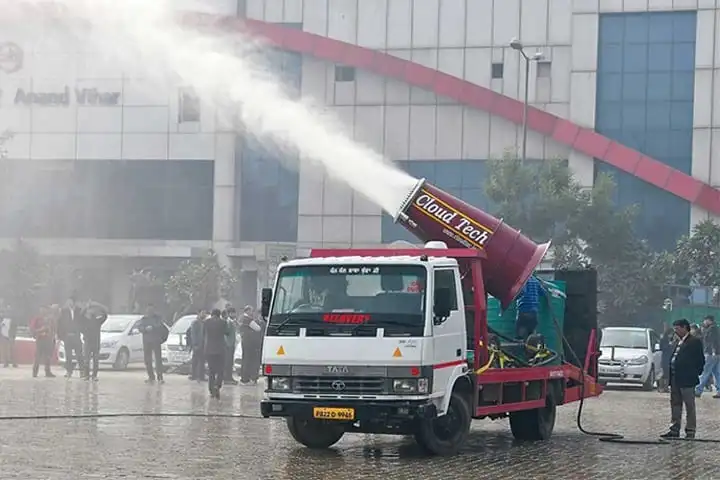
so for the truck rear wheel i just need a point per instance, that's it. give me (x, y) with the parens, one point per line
(315, 434)
(536, 424)
(445, 435)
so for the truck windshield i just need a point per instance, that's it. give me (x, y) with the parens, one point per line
(351, 294)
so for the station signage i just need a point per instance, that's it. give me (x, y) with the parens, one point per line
(68, 96)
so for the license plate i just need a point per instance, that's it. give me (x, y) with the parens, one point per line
(334, 413)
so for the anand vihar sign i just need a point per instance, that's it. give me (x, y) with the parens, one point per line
(66, 97)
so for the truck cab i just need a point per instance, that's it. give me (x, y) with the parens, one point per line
(369, 345)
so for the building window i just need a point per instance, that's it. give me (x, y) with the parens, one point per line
(344, 73)
(188, 106)
(544, 69)
(464, 179)
(109, 199)
(498, 69)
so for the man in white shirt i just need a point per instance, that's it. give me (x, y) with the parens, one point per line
(7, 342)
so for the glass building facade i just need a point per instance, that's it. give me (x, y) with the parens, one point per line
(645, 89)
(107, 199)
(461, 178)
(269, 183)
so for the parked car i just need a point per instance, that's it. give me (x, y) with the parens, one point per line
(175, 352)
(630, 355)
(120, 342)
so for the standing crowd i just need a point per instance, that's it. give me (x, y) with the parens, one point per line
(211, 338)
(690, 360)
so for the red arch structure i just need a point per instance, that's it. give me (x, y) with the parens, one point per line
(581, 139)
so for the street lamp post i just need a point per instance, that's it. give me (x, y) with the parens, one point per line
(515, 44)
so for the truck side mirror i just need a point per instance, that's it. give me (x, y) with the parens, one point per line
(657, 347)
(441, 307)
(265, 298)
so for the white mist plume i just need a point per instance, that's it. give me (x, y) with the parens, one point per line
(224, 73)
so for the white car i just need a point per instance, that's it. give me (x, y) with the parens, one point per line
(175, 353)
(630, 355)
(120, 342)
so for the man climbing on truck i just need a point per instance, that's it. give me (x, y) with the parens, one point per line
(528, 306)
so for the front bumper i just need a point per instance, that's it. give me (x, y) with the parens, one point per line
(365, 411)
(105, 356)
(176, 358)
(623, 373)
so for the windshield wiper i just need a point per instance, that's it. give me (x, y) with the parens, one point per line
(293, 316)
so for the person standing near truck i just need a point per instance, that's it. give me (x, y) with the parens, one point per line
(68, 332)
(92, 317)
(667, 346)
(216, 331)
(196, 341)
(528, 307)
(231, 318)
(686, 365)
(251, 334)
(154, 334)
(711, 345)
(8, 331)
(43, 331)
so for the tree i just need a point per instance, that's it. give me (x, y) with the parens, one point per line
(698, 255)
(24, 276)
(544, 200)
(145, 288)
(199, 283)
(695, 261)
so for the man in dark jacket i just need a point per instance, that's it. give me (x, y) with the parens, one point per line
(93, 315)
(154, 333)
(231, 318)
(68, 332)
(196, 341)
(667, 346)
(216, 331)
(251, 335)
(711, 345)
(686, 364)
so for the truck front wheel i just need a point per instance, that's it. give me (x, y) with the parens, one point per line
(536, 424)
(445, 435)
(315, 434)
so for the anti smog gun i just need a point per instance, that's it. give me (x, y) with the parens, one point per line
(397, 341)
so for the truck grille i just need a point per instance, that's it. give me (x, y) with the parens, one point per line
(339, 385)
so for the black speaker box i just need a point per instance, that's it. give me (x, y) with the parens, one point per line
(580, 311)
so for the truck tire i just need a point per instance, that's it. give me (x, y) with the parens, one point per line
(536, 424)
(445, 435)
(315, 434)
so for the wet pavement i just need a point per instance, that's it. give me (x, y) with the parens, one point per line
(255, 448)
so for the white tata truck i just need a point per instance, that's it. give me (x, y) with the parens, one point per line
(357, 344)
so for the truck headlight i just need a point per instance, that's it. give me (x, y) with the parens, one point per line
(410, 385)
(109, 344)
(280, 384)
(641, 360)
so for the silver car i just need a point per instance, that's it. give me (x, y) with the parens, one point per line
(630, 355)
